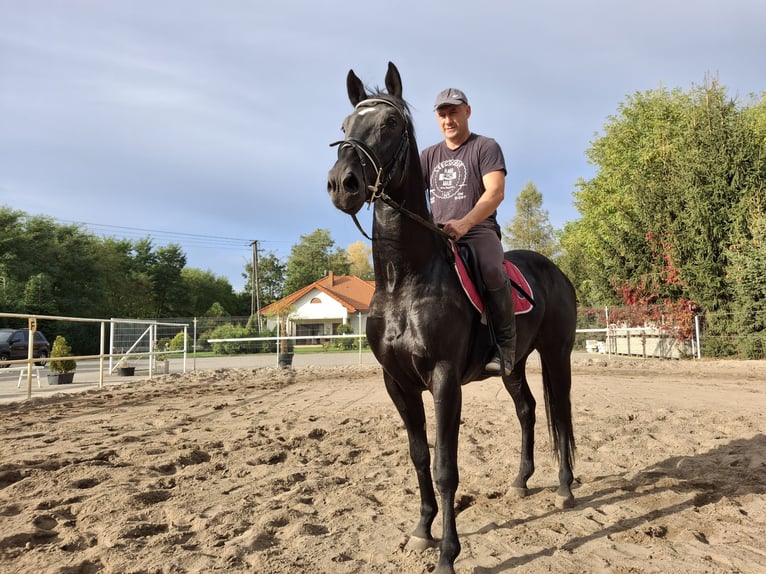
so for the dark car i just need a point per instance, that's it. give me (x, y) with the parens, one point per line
(14, 344)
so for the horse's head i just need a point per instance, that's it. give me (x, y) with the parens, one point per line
(376, 148)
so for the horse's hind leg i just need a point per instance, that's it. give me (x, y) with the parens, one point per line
(410, 407)
(517, 387)
(557, 380)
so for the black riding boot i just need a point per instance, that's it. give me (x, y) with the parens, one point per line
(500, 308)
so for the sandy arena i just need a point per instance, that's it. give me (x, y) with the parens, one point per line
(306, 470)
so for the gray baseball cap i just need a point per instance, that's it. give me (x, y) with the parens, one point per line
(450, 97)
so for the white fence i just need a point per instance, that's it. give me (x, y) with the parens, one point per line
(643, 342)
(135, 340)
(646, 342)
(29, 363)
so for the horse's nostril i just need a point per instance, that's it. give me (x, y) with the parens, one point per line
(350, 183)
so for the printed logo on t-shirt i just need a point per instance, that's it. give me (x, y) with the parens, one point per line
(448, 180)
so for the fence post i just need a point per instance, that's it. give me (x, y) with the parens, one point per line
(111, 344)
(102, 346)
(697, 333)
(194, 346)
(359, 329)
(32, 324)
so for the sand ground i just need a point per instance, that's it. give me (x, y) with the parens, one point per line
(306, 470)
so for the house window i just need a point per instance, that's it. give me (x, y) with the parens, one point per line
(310, 330)
(315, 300)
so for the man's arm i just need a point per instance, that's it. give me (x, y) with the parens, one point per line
(490, 200)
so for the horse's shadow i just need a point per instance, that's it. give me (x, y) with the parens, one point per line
(711, 476)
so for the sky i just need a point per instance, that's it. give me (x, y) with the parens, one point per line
(207, 123)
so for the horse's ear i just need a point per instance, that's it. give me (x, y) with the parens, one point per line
(355, 88)
(393, 81)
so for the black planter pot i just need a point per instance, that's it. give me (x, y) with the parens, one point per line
(285, 360)
(126, 371)
(60, 378)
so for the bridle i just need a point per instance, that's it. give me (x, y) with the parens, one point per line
(384, 173)
(366, 154)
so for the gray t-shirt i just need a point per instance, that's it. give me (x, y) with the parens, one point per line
(454, 177)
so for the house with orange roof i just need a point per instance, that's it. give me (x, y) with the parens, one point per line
(320, 308)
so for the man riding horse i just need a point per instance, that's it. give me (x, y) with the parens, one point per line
(465, 175)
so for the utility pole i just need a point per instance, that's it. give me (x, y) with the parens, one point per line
(255, 289)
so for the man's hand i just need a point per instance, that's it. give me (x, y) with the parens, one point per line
(456, 228)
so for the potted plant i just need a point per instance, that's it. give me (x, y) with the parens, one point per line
(345, 329)
(285, 347)
(62, 370)
(161, 362)
(124, 368)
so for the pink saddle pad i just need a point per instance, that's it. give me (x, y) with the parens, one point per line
(521, 304)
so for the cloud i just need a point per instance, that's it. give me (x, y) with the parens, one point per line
(216, 117)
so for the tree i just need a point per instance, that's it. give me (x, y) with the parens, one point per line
(167, 284)
(572, 260)
(748, 269)
(124, 289)
(679, 174)
(358, 255)
(271, 278)
(52, 269)
(530, 227)
(313, 258)
(669, 178)
(747, 250)
(38, 296)
(203, 289)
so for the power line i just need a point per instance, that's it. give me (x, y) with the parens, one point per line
(196, 239)
(195, 236)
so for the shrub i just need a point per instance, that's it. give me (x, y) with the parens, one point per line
(177, 342)
(61, 349)
(345, 329)
(230, 331)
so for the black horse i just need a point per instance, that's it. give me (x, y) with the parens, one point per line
(421, 326)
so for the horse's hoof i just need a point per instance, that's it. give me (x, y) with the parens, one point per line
(564, 502)
(518, 492)
(417, 544)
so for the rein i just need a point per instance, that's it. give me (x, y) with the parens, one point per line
(384, 197)
(365, 152)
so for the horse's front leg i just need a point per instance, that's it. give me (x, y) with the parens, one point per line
(409, 403)
(517, 386)
(447, 408)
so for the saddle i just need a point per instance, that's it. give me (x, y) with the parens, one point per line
(467, 270)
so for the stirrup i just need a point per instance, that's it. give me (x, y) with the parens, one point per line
(494, 366)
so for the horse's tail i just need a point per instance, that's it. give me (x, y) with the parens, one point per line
(558, 410)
